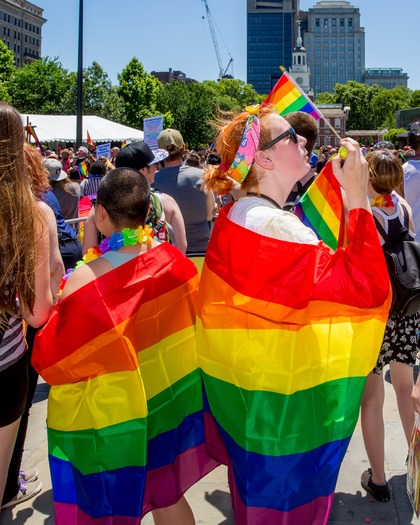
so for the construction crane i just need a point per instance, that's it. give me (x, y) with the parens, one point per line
(222, 70)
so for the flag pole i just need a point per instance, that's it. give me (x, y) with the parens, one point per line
(283, 70)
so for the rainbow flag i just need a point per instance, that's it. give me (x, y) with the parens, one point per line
(288, 97)
(90, 141)
(287, 334)
(83, 169)
(30, 130)
(124, 144)
(321, 209)
(125, 410)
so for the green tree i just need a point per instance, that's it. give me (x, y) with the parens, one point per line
(100, 97)
(385, 104)
(139, 92)
(233, 94)
(371, 107)
(191, 107)
(392, 135)
(7, 68)
(326, 98)
(415, 99)
(40, 87)
(113, 106)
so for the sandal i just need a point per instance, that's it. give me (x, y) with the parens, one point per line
(379, 492)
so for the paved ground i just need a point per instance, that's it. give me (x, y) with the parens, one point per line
(210, 497)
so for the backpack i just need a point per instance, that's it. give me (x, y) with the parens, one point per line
(402, 256)
(156, 217)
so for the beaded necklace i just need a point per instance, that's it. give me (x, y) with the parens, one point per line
(127, 237)
(385, 201)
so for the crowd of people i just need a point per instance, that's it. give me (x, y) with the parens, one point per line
(160, 372)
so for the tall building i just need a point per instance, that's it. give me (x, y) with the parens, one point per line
(300, 71)
(335, 43)
(271, 36)
(386, 77)
(21, 29)
(168, 76)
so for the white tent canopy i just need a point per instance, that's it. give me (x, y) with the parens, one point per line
(56, 128)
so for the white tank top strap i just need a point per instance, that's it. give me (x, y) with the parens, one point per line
(116, 259)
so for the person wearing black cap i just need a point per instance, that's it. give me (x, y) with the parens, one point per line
(412, 176)
(165, 217)
(163, 208)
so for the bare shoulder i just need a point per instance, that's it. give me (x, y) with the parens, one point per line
(84, 275)
(403, 201)
(168, 200)
(46, 210)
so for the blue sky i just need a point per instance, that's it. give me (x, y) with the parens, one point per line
(165, 34)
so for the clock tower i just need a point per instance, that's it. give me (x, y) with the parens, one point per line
(300, 70)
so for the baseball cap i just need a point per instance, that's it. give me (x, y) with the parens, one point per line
(415, 128)
(384, 144)
(138, 155)
(55, 169)
(170, 137)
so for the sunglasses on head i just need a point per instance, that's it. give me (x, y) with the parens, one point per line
(288, 133)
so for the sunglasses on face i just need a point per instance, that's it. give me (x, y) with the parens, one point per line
(288, 133)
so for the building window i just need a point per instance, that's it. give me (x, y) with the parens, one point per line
(337, 123)
(317, 22)
(341, 22)
(350, 22)
(325, 22)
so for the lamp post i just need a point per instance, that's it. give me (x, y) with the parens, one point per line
(79, 117)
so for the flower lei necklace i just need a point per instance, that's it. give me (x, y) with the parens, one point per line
(127, 237)
(385, 201)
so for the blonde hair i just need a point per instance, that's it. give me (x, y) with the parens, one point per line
(385, 171)
(227, 142)
(18, 215)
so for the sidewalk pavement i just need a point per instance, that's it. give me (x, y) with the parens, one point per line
(210, 498)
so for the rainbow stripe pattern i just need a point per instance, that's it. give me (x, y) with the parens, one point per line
(287, 334)
(288, 97)
(321, 209)
(125, 410)
(83, 169)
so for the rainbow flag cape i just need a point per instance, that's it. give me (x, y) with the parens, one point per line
(288, 97)
(125, 410)
(321, 209)
(83, 169)
(287, 334)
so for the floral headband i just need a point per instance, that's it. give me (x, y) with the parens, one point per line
(245, 155)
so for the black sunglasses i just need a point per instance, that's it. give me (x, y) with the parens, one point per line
(289, 132)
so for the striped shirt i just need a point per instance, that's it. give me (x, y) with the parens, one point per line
(13, 345)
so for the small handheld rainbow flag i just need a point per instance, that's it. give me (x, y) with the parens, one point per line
(124, 144)
(31, 132)
(90, 141)
(83, 169)
(288, 97)
(321, 209)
